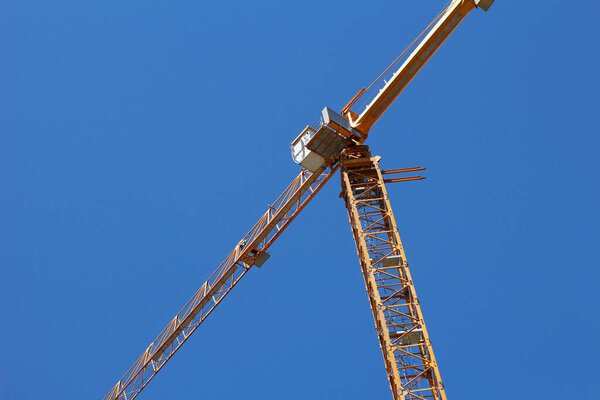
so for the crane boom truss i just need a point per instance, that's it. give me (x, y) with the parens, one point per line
(384, 90)
(251, 250)
(409, 360)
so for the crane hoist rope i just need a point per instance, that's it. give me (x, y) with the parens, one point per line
(334, 140)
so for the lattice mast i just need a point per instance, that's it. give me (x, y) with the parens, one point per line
(412, 370)
(317, 149)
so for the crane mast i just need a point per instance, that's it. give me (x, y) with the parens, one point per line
(336, 140)
(412, 370)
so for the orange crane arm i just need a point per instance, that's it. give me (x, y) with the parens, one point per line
(447, 21)
(250, 251)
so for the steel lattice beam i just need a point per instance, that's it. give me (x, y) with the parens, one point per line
(247, 253)
(409, 360)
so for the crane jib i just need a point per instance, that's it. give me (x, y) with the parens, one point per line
(269, 227)
(391, 83)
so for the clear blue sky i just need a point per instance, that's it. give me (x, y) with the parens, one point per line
(140, 140)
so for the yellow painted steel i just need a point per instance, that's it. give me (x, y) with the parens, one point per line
(409, 360)
(450, 18)
(411, 366)
(245, 254)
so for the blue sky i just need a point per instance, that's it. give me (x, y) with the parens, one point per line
(139, 143)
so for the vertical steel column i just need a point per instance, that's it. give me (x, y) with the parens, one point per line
(409, 360)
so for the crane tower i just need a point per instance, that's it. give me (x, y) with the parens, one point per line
(336, 141)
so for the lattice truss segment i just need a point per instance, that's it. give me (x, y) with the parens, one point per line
(251, 250)
(409, 360)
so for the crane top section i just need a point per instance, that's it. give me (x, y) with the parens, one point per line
(322, 142)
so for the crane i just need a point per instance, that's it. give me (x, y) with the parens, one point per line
(336, 142)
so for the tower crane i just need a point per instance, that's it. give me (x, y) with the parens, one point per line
(336, 141)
